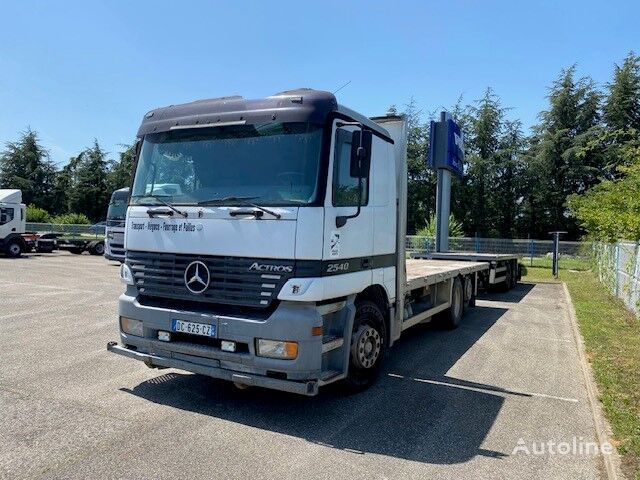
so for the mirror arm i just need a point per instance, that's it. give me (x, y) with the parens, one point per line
(341, 220)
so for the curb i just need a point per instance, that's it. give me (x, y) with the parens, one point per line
(611, 462)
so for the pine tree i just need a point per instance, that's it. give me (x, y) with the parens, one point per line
(485, 128)
(25, 165)
(90, 191)
(420, 181)
(561, 152)
(120, 173)
(622, 106)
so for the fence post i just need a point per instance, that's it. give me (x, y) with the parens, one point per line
(531, 252)
(617, 269)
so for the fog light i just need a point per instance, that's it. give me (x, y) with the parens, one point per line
(228, 346)
(276, 349)
(164, 336)
(131, 326)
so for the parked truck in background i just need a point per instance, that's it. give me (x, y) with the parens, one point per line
(114, 231)
(278, 258)
(13, 217)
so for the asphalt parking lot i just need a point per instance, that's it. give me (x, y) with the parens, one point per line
(451, 404)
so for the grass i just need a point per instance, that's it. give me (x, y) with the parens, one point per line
(612, 342)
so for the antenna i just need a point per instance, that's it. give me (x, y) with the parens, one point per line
(342, 87)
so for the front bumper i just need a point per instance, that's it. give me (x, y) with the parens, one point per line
(290, 321)
(309, 387)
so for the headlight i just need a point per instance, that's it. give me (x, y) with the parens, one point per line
(126, 275)
(276, 349)
(131, 326)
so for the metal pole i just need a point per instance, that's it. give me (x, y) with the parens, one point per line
(443, 202)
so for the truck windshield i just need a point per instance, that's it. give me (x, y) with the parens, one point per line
(117, 208)
(273, 163)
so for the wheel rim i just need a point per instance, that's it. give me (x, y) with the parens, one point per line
(99, 249)
(367, 345)
(14, 249)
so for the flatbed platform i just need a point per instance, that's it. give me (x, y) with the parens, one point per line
(423, 272)
(467, 256)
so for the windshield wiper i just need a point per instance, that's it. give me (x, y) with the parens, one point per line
(243, 200)
(165, 203)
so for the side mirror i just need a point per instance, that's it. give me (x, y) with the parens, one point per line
(360, 154)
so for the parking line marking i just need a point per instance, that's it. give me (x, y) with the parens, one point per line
(488, 390)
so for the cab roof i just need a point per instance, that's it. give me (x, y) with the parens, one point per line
(299, 105)
(10, 196)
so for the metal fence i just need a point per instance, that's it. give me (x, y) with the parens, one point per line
(618, 267)
(517, 246)
(70, 231)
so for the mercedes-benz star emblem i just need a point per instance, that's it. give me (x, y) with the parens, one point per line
(197, 277)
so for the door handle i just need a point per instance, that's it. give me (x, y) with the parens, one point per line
(366, 263)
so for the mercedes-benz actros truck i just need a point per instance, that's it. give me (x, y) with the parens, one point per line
(114, 231)
(265, 244)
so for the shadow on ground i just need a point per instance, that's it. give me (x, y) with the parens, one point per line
(399, 416)
(515, 295)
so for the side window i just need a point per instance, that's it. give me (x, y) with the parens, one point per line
(6, 215)
(345, 187)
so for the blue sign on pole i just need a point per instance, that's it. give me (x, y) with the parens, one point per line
(446, 146)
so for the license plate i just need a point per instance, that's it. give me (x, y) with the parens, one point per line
(203, 329)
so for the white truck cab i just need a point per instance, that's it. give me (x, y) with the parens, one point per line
(114, 230)
(265, 244)
(13, 217)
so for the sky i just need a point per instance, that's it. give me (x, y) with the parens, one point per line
(78, 70)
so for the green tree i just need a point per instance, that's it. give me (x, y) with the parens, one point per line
(622, 106)
(420, 180)
(120, 172)
(610, 211)
(37, 214)
(90, 189)
(484, 123)
(560, 155)
(25, 165)
(455, 227)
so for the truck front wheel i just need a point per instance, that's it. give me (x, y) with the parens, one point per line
(14, 249)
(368, 346)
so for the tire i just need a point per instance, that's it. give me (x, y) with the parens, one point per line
(470, 301)
(453, 316)
(508, 281)
(97, 249)
(14, 249)
(368, 347)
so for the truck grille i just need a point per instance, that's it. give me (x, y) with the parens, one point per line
(232, 282)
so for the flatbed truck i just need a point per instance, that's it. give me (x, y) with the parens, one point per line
(279, 259)
(503, 272)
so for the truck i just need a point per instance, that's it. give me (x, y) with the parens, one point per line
(114, 232)
(13, 217)
(280, 260)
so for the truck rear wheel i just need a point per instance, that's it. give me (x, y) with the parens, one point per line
(508, 279)
(453, 316)
(14, 249)
(368, 347)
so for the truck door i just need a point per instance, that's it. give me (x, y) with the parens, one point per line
(7, 225)
(351, 245)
